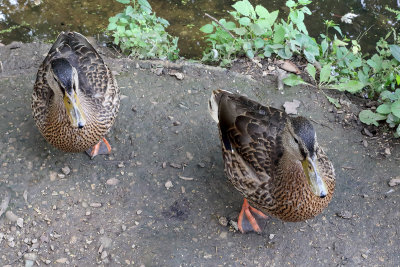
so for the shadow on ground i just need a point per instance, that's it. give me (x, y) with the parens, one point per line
(117, 209)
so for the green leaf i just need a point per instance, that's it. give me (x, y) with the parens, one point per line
(396, 108)
(311, 70)
(352, 86)
(324, 46)
(245, 21)
(258, 43)
(262, 12)
(368, 117)
(395, 50)
(145, 6)
(334, 101)
(246, 46)
(375, 62)
(279, 34)
(304, 2)
(258, 29)
(124, 1)
(244, 7)
(111, 26)
(250, 54)
(229, 25)
(113, 19)
(398, 79)
(384, 109)
(272, 17)
(338, 30)
(290, 3)
(208, 28)
(129, 11)
(240, 31)
(398, 128)
(306, 9)
(325, 73)
(293, 80)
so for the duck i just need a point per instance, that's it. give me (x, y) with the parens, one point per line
(75, 98)
(272, 159)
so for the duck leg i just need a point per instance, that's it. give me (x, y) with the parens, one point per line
(101, 148)
(250, 219)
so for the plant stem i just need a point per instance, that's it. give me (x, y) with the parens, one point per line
(222, 26)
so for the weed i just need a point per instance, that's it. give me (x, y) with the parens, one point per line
(140, 33)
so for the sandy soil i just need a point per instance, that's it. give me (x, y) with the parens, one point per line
(161, 197)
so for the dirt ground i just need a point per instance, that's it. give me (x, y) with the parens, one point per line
(161, 197)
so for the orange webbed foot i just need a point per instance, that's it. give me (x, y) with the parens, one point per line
(101, 148)
(250, 219)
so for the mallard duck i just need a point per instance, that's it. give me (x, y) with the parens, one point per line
(75, 99)
(272, 159)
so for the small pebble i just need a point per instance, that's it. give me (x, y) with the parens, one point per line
(11, 216)
(104, 255)
(387, 151)
(223, 221)
(138, 212)
(234, 225)
(176, 123)
(123, 227)
(30, 256)
(271, 236)
(66, 170)
(201, 165)
(223, 235)
(365, 143)
(95, 205)
(61, 175)
(112, 181)
(394, 181)
(345, 214)
(168, 184)
(29, 263)
(20, 222)
(61, 260)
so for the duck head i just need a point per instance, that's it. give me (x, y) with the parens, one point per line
(65, 79)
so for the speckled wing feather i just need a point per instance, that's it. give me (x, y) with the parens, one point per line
(251, 144)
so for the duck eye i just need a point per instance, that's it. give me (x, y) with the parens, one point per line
(297, 141)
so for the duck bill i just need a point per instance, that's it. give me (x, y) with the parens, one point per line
(74, 110)
(318, 186)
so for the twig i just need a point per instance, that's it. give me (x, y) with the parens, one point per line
(222, 26)
(348, 168)
(323, 124)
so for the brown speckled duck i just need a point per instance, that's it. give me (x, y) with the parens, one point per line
(273, 159)
(75, 99)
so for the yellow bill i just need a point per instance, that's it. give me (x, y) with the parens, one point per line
(74, 110)
(318, 186)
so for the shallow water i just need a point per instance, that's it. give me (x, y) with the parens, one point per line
(45, 19)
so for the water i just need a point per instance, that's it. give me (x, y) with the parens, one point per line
(46, 19)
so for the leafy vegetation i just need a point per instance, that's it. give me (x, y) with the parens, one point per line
(10, 29)
(140, 33)
(335, 62)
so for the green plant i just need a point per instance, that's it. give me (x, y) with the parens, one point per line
(385, 84)
(10, 29)
(140, 33)
(256, 32)
(248, 35)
